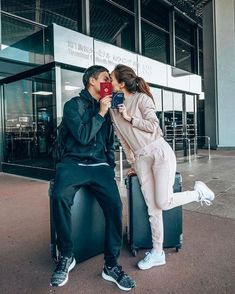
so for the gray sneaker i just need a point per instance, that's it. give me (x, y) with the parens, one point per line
(119, 277)
(61, 274)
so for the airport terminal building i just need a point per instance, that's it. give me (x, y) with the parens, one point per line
(184, 49)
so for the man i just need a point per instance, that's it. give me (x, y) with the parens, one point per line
(89, 160)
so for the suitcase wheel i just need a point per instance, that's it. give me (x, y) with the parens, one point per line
(134, 251)
(177, 248)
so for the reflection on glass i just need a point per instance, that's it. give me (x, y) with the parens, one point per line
(190, 117)
(184, 56)
(30, 121)
(178, 121)
(156, 92)
(184, 30)
(155, 43)
(112, 24)
(173, 119)
(25, 43)
(168, 115)
(64, 13)
(157, 96)
(156, 14)
(129, 4)
(71, 86)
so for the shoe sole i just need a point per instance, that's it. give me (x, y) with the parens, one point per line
(72, 265)
(152, 265)
(206, 187)
(110, 279)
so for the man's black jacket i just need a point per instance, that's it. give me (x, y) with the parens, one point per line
(90, 136)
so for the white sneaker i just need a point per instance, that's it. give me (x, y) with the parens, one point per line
(205, 194)
(152, 259)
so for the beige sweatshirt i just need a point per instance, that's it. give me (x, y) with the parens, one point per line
(144, 129)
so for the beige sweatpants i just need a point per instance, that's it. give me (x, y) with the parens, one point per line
(156, 166)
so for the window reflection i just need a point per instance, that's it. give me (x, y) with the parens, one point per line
(190, 116)
(116, 27)
(168, 115)
(173, 119)
(184, 30)
(71, 84)
(155, 43)
(157, 14)
(184, 56)
(157, 96)
(30, 121)
(64, 13)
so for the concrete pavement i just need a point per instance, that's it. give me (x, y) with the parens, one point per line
(206, 263)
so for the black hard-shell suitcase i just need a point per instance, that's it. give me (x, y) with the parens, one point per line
(138, 228)
(88, 226)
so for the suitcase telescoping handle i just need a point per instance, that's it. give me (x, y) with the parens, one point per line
(127, 179)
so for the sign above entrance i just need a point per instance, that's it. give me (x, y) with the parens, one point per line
(109, 56)
(72, 48)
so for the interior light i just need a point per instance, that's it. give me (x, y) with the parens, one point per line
(43, 93)
(71, 88)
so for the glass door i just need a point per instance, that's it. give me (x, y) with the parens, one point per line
(191, 122)
(168, 118)
(29, 122)
(157, 97)
(179, 121)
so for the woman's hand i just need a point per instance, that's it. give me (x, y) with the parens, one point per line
(123, 111)
(131, 171)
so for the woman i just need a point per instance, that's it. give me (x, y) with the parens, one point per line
(151, 157)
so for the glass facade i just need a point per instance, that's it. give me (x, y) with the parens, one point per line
(155, 43)
(157, 96)
(14, 30)
(184, 55)
(155, 31)
(32, 111)
(64, 13)
(111, 21)
(33, 100)
(185, 44)
(179, 120)
(190, 111)
(71, 85)
(30, 120)
(116, 27)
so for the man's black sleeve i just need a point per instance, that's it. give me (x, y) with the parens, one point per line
(110, 148)
(83, 132)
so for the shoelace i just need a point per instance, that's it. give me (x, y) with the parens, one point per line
(118, 270)
(147, 256)
(122, 276)
(61, 266)
(205, 200)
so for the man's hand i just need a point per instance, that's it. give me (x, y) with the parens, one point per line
(105, 104)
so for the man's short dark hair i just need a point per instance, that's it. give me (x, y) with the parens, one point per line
(92, 71)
